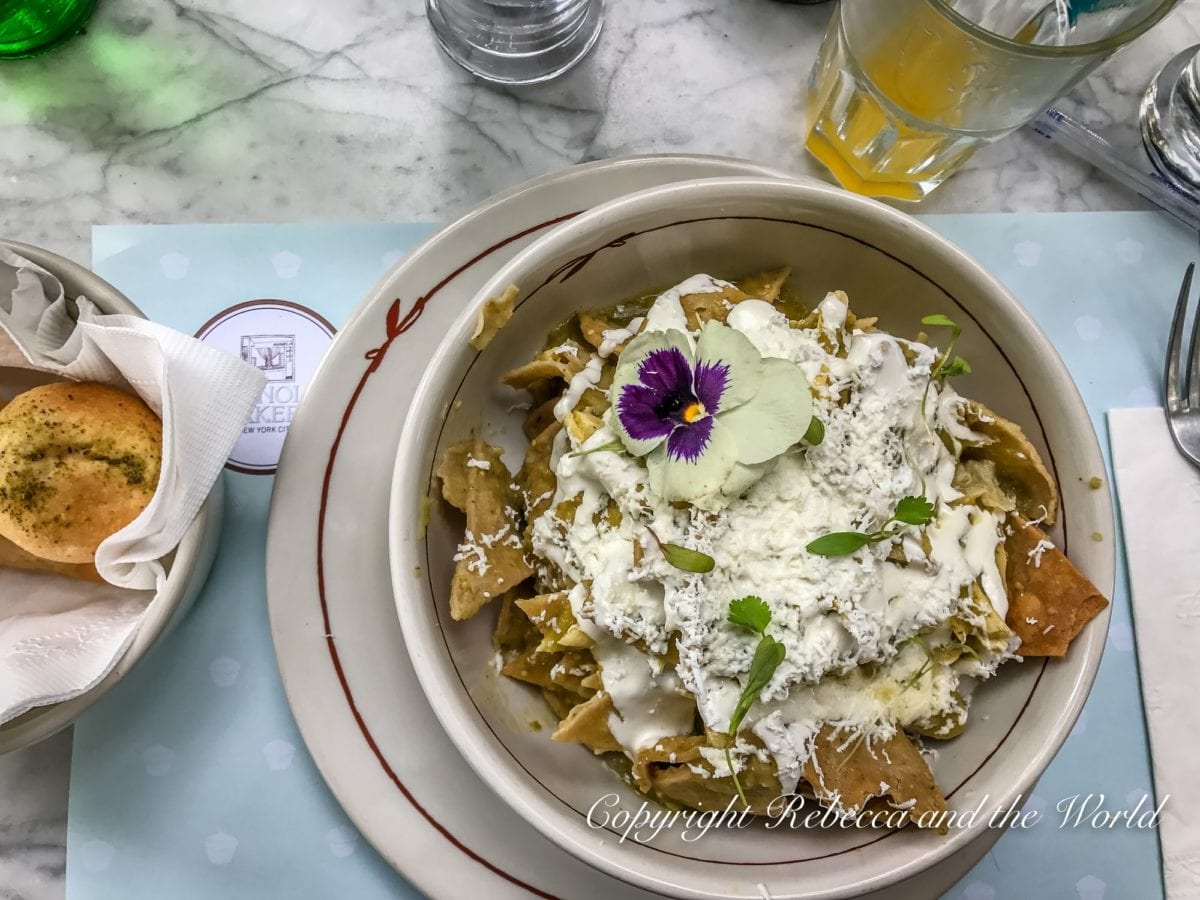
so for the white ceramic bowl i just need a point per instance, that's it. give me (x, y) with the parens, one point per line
(891, 266)
(187, 567)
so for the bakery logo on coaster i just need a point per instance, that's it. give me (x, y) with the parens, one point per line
(285, 341)
(275, 354)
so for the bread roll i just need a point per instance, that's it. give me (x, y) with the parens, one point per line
(78, 462)
(14, 557)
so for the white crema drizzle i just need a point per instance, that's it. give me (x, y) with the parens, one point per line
(881, 417)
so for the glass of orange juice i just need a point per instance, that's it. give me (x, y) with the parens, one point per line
(904, 91)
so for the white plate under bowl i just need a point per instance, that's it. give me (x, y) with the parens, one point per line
(352, 689)
(187, 567)
(891, 266)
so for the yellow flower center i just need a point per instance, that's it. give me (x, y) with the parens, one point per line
(693, 411)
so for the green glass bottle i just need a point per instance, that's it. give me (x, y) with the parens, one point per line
(29, 27)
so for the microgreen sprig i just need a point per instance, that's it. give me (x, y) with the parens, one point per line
(912, 680)
(611, 446)
(949, 365)
(684, 558)
(909, 511)
(815, 433)
(754, 615)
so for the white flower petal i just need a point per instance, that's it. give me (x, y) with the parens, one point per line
(721, 344)
(743, 477)
(776, 417)
(678, 479)
(627, 373)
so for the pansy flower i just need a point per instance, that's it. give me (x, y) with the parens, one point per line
(706, 419)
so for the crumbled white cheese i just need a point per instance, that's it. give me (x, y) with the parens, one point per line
(473, 463)
(882, 419)
(473, 553)
(1039, 551)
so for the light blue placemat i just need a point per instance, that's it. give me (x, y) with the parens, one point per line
(196, 749)
(190, 780)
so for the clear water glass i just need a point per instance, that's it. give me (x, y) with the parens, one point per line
(905, 91)
(516, 41)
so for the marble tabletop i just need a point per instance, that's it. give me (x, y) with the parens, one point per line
(225, 111)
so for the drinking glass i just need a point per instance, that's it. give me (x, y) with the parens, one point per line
(516, 41)
(903, 92)
(29, 27)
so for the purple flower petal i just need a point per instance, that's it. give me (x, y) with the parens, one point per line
(688, 441)
(666, 371)
(651, 408)
(711, 381)
(638, 411)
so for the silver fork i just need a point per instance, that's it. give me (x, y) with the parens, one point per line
(1183, 412)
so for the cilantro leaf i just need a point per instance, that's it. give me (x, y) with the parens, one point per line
(839, 543)
(913, 511)
(750, 612)
(816, 431)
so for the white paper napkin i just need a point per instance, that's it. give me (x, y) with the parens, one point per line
(59, 637)
(1159, 494)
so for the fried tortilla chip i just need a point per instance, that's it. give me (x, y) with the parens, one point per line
(994, 635)
(1019, 470)
(976, 480)
(514, 631)
(593, 328)
(536, 479)
(765, 285)
(453, 474)
(576, 671)
(855, 771)
(595, 400)
(491, 558)
(552, 616)
(1049, 600)
(587, 724)
(674, 768)
(560, 362)
(948, 723)
(572, 671)
(561, 702)
(492, 316)
(710, 306)
(539, 418)
(533, 667)
(581, 425)
(669, 751)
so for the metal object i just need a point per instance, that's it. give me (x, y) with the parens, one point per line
(1170, 119)
(1183, 410)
